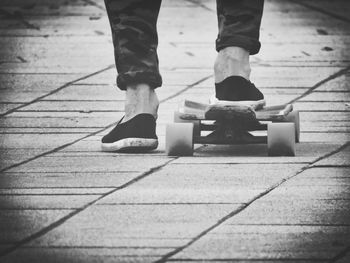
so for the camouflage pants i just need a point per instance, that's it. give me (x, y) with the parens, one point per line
(135, 39)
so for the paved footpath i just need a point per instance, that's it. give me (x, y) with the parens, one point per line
(63, 200)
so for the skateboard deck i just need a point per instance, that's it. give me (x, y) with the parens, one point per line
(232, 123)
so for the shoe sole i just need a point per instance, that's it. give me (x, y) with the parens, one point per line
(130, 145)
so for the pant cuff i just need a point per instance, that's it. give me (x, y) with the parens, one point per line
(252, 45)
(154, 80)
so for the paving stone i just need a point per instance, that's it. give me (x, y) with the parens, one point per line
(62, 114)
(9, 157)
(58, 122)
(325, 117)
(85, 67)
(55, 191)
(246, 260)
(300, 211)
(36, 141)
(92, 164)
(269, 242)
(330, 126)
(203, 183)
(16, 225)
(88, 92)
(323, 173)
(5, 107)
(108, 225)
(333, 177)
(56, 26)
(338, 159)
(295, 191)
(83, 131)
(45, 201)
(290, 76)
(37, 51)
(31, 83)
(338, 84)
(321, 106)
(84, 106)
(327, 137)
(86, 255)
(340, 9)
(306, 153)
(66, 180)
(326, 96)
(65, 10)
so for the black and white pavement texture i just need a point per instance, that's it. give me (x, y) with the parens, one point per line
(63, 200)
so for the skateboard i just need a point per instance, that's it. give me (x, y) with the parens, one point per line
(233, 123)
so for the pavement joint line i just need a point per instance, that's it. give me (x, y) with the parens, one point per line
(59, 222)
(56, 90)
(329, 78)
(325, 12)
(341, 255)
(167, 256)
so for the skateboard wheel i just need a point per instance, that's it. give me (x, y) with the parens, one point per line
(179, 139)
(294, 117)
(281, 139)
(196, 123)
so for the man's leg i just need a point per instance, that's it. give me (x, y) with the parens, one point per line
(238, 38)
(135, 40)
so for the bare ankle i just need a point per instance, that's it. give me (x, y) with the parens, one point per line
(232, 61)
(140, 98)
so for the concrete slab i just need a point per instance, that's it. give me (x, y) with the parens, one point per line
(120, 225)
(300, 211)
(306, 153)
(45, 201)
(76, 180)
(203, 183)
(92, 164)
(269, 242)
(61, 255)
(19, 224)
(338, 159)
(42, 141)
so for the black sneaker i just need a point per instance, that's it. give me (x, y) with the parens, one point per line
(240, 90)
(135, 135)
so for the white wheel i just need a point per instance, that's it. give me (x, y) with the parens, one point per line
(294, 117)
(179, 139)
(196, 123)
(281, 139)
